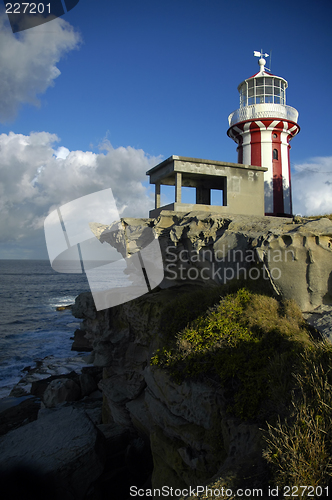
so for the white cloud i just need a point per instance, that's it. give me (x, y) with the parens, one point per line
(36, 176)
(28, 62)
(61, 152)
(312, 186)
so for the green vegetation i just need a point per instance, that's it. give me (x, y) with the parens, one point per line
(186, 307)
(242, 342)
(299, 448)
(273, 372)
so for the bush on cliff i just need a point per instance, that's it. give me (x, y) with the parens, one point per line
(186, 307)
(249, 342)
(263, 354)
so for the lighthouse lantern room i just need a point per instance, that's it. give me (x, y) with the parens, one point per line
(263, 127)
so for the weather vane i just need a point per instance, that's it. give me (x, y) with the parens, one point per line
(260, 54)
(261, 60)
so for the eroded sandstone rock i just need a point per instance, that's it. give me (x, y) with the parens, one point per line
(61, 390)
(295, 258)
(191, 434)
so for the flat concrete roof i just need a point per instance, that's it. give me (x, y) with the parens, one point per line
(175, 158)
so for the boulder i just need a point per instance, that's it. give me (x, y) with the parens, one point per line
(321, 320)
(62, 445)
(20, 411)
(38, 387)
(61, 390)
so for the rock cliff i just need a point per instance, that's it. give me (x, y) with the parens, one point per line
(294, 256)
(191, 434)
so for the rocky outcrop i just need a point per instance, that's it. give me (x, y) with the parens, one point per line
(294, 257)
(321, 319)
(190, 431)
(17, 412)
(91, 447)
(63, 446)
(191, 434)
(80, 344)
(61, 390)
(37, 378)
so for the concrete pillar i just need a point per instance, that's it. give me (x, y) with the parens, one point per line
(157, 195)
(178, 182)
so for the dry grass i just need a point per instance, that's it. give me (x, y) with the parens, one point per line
(326, 216)
(299, 449)
(283, 380)
(267, 314)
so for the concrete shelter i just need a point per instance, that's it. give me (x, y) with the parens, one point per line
(242, 186)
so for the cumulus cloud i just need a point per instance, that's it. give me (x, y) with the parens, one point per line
(28, 62)
(37, 176)
(312, 186)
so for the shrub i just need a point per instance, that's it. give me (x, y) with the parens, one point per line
(186, 307)
(299, 448)
(235, 342)
(261, 351)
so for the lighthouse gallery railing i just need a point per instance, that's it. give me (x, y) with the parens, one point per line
(265, 110)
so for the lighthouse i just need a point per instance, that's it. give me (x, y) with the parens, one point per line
(263, 127)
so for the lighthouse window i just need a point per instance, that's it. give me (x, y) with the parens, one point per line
(268, 90)
(282, 96)
(263, 90)
(243, 97)
(275, 154)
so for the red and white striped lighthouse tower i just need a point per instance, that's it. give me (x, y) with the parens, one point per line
(262, 127)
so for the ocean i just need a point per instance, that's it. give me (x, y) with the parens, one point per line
(30, 326)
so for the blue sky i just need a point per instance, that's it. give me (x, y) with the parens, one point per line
(101, 95)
